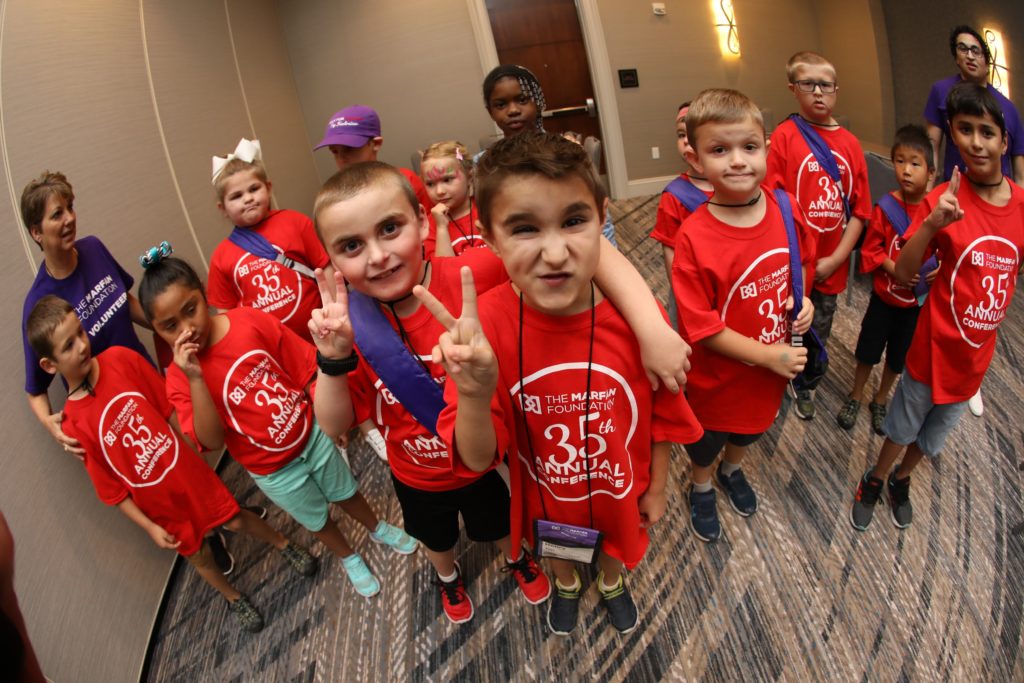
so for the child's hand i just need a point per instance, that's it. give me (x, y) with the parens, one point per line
(162, 538)
(931, 275)
(786, 360)
(186, 355)
(330, 326)
(824, 267)
(462, 349)
(440, 213)
(948, 210)
(803, 321)
(666, 358)
(652, 508)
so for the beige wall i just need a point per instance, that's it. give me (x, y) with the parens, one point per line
(75, 96)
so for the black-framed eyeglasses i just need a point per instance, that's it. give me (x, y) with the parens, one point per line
(972, 50)
(827, 87)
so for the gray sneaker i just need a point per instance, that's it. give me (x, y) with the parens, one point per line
(878, 411)
(622, 610)
(299, 559)
(899, 501)
(847, 416)
(563, 609)
(868, 491)
(248, 617)
(803, 402)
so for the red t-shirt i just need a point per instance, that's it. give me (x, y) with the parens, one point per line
(625, 418)
(979, 262)
(131, 451)
(671, 214)
(462, 232)
(881, 242)
(256, 375)
(417, 457)
(238, 278)
(724, 276)
(792, 166)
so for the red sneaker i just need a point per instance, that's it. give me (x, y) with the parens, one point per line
(532, 581)
(457, 605)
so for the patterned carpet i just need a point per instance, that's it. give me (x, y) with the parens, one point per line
(790, 594)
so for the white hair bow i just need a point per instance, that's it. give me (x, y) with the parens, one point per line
(246, 150)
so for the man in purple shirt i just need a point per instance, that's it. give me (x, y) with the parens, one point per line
(973, 58)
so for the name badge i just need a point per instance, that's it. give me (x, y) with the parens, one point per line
(566, 541)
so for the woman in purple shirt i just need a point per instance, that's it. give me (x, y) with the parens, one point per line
(83, 273)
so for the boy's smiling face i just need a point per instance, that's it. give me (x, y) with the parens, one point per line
(246, 199)
(72, 352)
(548, 234)
(981, 144)
(732, 156)
(815, 106)
(375, 240)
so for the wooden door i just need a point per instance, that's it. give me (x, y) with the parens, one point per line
(545, 37)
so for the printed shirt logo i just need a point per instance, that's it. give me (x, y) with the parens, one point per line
(268, 285)
(420, 446)
(819, 196)
(136, 442)
(580, 433)
(981, 287)
(898, 291)
(759, 312)
(275, 418)
(106, 296)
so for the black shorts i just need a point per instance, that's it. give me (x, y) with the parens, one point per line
(704, 452)
(886, 327)
(432, 517)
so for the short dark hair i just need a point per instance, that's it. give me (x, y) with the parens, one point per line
(973, 99)
(353, 179)
(38, 192)
(970, 31)
(916, 138)
(161, 275)
(48, 313)
(532, 153)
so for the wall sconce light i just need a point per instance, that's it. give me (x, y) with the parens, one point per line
(725, 23)
(999, 74)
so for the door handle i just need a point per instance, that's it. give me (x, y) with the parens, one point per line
(590, 109)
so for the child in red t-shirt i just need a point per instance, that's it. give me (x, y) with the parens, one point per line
(732, 279)
(588, 440)
(891, 314)
(242, 379)
(447, 171)
(835, 212)
(118, 411)
(672, 210)
(975, 224)
(373, 229)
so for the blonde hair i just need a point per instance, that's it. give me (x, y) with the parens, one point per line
(720, 105)
(237, 166)
(450, 149)
(806, 58)
(357, 178)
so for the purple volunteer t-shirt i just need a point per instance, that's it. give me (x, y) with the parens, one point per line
(935, 114)
(98, 290)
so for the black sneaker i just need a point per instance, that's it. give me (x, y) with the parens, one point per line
(803, 402)
(877, 417)
(868, 491)
(847, 416)
(622, 610)
(564, 608)
(704, 515)
(899, 501)
(741, 495)
(225, 561)
(299, 559)
(248, 617)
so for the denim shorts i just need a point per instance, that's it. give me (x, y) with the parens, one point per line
(913, 416)
(306, 487)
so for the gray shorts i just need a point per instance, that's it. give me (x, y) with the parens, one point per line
(912, 416)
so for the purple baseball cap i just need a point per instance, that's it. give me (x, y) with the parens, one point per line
(352, 127)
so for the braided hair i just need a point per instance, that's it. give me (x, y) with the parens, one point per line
(528, 83)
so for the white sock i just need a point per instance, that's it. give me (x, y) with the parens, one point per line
(449, 579)
(728, 467)
(702, 488)
(576, 584)
(604, 588)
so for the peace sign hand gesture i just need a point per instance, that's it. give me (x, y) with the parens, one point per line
(948, 210)
(462, 349)
(330, 326)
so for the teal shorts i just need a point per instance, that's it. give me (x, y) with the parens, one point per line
(306, 487)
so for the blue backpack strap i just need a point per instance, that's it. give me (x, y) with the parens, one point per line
(895, 212)
(795, 270)
(823, 153)
(688, 194)
(258, 245)
(400, 371)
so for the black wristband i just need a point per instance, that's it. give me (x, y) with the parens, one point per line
(337, 366)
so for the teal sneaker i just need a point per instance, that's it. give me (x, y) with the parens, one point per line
(363, 580)
(394, 538)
